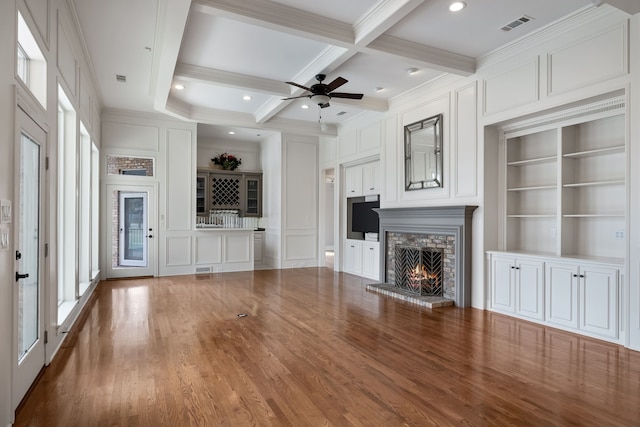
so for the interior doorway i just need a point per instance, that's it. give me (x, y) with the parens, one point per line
(328, 214)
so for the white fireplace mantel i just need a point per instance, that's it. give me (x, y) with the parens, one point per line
(450, 220)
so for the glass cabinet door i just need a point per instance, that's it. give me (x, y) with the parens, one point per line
(201, 194)
(253, 203)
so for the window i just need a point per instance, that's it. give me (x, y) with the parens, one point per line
(95, 210)
(122, 165)
(67, 207)
(31, 64)
(84, 225)
(23, 65)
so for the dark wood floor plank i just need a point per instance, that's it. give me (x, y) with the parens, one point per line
(317, 349)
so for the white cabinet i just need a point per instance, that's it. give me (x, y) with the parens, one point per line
(584, 297)
(518, 286)
(258, 247)
(353, 257)
(575, 295)
(362, 258)
(353, 181)
(371, 259)
(371, 178)
(363, 180)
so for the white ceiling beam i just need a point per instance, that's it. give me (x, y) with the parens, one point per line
(245, 120)
(382, 16)
(425, 56)
(281, 18)
(171, 21)
(228, 79)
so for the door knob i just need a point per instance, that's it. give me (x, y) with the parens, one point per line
(21, 276)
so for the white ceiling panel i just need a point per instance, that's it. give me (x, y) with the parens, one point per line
(220, 98)
(223, 44)
(475, 30)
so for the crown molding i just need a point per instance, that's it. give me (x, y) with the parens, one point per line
(380, 17)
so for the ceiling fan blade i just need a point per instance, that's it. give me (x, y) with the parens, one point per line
(300, 86)
(295, 97)
(346, 95)
(339, 81)
(325, 105)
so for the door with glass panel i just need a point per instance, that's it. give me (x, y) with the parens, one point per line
(131, 237)
(28, 208)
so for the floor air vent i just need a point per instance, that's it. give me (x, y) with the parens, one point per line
(200, 270)
(518, 22)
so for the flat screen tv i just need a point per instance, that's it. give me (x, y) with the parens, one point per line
(363, 218)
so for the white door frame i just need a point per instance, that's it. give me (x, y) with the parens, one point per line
(151, 269)
(26, 370)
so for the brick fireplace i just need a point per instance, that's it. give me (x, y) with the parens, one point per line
(443, 229)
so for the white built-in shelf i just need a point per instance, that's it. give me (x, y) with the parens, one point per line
(531, 216)
(535, 161)
(539, 187)
(596, 152)
(612, 215)
(594, 183)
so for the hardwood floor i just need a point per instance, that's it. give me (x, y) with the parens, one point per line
(317, 349)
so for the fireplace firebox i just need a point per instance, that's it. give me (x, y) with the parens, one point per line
(419, 270)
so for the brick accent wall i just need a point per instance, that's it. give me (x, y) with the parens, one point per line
(116, 164)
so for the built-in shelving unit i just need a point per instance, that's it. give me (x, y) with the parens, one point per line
(563, 203)
(564, 187)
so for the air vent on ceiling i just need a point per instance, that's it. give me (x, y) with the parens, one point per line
(518, 22)
(121, 78)
(341, 113)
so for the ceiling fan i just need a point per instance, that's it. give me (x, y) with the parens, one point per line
(322, 93)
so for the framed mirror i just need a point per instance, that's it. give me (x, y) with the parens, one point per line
(423, 154)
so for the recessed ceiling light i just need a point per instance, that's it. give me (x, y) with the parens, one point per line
(246, 98)
(304, 106)
(457, 6)
(412, 71)
(378, 89)
(178, 86)
(231, 132)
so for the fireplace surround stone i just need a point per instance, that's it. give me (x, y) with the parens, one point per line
(452, 223)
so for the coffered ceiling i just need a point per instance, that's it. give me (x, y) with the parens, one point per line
(234, 57)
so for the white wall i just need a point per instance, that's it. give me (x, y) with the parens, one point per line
(271, 158)
(172, 144)
(248, 152)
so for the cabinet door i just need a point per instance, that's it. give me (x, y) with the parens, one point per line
(561, 294)
(502, 288)
(530, 289)
(371, 179)
(202, 194)
(252, 195)
(599, 301)
(371, 260)
(353, 181)
(353, 257)
(258, 243)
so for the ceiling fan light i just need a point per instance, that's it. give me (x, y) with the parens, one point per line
(320, 99)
